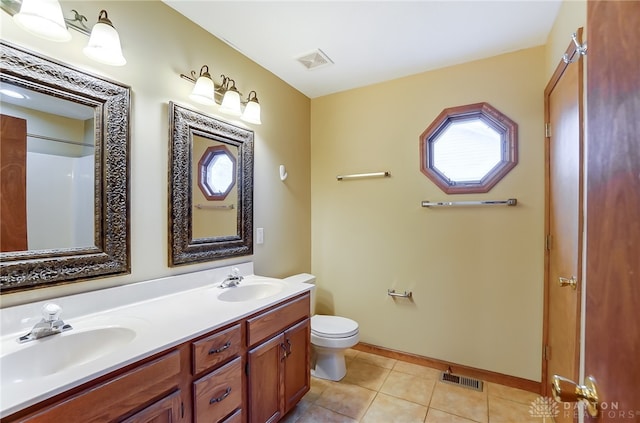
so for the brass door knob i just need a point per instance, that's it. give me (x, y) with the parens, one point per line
(572, 282)
(566, 390)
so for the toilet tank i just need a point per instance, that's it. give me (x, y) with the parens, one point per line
(306, 278)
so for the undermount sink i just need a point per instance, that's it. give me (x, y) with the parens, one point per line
(254, 290)
(55, 353)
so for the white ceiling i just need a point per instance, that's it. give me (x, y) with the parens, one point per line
(369, 41)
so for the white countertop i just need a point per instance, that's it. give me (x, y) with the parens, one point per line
(163, 313)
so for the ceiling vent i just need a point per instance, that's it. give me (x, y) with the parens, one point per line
(314, 60)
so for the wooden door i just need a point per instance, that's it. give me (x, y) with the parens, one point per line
(13, 184)
(612, 282)
(264, 380)
(564, 113)
(297, 372)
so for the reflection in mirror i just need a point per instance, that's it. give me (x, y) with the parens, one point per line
(216, 201)
(210, 188)
(64, 173)
(469, 149)
(59, 140)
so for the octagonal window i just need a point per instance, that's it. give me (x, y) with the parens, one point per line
(216, 172)
(468, 149)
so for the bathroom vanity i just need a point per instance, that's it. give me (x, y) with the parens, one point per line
(251, 367)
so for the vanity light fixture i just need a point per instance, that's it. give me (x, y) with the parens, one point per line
(104, 43)
(45, 19)
(252, 110)
(204, 87)
(231, 99)
(206, 91)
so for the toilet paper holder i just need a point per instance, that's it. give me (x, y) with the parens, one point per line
(393, 293)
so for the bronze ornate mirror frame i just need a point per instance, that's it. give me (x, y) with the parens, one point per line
(183, 249)
(111, 103)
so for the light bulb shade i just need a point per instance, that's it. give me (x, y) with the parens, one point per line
(252, 113)
(104, 43)
(203, 91)
(43, 18)
(231, 103)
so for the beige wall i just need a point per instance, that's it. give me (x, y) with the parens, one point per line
(159, 44)
(476, 273)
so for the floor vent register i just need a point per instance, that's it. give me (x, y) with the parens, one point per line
(464, 381)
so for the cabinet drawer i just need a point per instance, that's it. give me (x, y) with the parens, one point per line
(268, 324)
(234, 418)
(217, 348)
(219, 393)
(108, 401)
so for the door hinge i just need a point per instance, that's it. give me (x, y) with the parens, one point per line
(547, 242)
(546, 352)
(547, 129)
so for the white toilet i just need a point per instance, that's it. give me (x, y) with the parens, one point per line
(330, 337)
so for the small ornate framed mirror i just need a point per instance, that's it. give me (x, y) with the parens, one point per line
(210, 188)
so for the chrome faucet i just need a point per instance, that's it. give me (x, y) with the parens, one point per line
(50, 324)
(233, 279)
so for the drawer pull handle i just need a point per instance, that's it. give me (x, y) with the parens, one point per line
(285, 353)
(221, 397)
(288, 347)
(222, 348)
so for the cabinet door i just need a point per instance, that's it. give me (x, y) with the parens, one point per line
(167, 410)
(296, 366)
(265, 394)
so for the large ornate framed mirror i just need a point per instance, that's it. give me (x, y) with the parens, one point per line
(64, 180)
(210, 188)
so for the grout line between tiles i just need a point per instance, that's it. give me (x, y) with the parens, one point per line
(454, 414)
(369, 406)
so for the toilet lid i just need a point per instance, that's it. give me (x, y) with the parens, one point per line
(333, 326)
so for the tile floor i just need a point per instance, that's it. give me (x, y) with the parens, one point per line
(382, 390)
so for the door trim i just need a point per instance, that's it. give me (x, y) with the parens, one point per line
(555, 78)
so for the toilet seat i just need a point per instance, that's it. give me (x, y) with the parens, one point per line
(333, 327)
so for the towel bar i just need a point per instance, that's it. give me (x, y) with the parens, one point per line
(364, 175)
(509, 202)
(393, 293)
(215, 207)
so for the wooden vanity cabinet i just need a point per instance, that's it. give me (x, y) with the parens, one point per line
(278, 362)
(201, 380)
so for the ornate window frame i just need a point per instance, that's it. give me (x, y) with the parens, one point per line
(503, 125)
